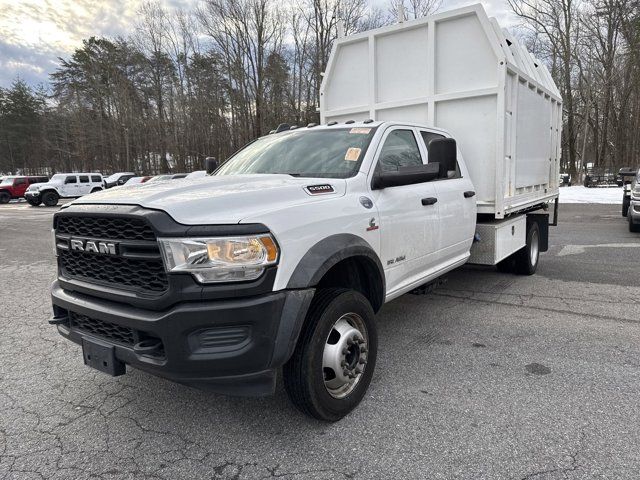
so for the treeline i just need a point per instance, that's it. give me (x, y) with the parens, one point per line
(191, 84)
(592, 48)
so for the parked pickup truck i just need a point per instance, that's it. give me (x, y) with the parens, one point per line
(13, 187)
(63, 185)
(282, 257)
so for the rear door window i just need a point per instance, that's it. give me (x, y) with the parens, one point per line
(96, 178)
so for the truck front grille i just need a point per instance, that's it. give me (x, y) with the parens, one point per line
(108, 331)
(113, 333)
(136, 265)
(125, 273)
(113, 228)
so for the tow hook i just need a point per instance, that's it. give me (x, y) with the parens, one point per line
(151, 347)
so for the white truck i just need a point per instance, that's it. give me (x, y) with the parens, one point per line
(283, 256)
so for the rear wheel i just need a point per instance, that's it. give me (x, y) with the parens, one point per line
(50, 199)
(506, 265)
(626, 201)
(4, 197)
(526, 259)
(96, 190)
(332, 365)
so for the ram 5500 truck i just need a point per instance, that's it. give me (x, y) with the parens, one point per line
(439, 146)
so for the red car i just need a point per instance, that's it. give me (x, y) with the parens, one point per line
(15, 186)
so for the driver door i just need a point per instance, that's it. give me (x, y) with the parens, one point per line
(408, 213)
(70, 187)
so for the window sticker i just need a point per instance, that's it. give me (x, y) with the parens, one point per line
(352, 154)
(360, 130)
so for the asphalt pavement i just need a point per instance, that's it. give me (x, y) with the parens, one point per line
(490, 376)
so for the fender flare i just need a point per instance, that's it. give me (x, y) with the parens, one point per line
(328, 252)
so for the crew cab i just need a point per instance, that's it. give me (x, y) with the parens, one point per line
(13, 187)
(63, 185)
(281, 259)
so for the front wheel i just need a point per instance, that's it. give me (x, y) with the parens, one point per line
(632, 226)
(332, 365)
(50, 199)
(33, 203)
(626, 201)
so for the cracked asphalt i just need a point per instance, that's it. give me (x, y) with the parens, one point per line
(490, 376)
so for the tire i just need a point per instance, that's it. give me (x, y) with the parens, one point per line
(34, 203)
(626, 201)
(507, 265)
(50, 199)
(4, 197)
(632, 227)
(338, 321)
(96, 190)
(526, 259)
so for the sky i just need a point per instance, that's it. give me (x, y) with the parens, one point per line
(34, 33)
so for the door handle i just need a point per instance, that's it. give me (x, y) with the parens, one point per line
(469, 194)
(429, 201)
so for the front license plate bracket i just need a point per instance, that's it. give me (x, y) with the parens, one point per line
(102, 356)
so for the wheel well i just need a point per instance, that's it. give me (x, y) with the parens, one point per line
(359, 273)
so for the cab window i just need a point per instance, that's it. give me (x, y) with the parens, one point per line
(400, 149)
(20, 181)
(84, 178)
(71, 179)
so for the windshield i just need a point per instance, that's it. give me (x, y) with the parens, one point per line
(7, 181)
(58, 178)
(331, 153)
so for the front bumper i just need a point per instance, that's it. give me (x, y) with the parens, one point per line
(231, 346)
(32, 195)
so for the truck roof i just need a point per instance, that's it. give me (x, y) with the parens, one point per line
(368, 124)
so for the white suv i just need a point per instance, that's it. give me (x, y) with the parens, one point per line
(63, 185)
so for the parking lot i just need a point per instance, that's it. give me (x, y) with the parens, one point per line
(490, 376)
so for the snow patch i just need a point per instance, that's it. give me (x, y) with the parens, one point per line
(580, 194)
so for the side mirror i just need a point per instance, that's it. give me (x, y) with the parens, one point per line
(210, 164)
(444, 152)
(406, 176)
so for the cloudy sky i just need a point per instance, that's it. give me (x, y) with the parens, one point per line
(34, 33)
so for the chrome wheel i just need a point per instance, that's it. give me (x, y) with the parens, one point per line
(345, 355)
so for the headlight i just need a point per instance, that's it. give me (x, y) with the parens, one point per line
(635, 193)
(220, 259)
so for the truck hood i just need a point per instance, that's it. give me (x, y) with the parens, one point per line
(38, 186)
(221, 199)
